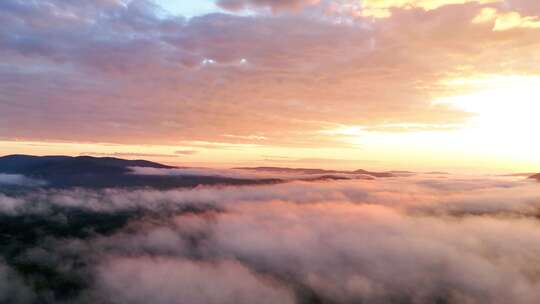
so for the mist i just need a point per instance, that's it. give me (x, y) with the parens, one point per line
(416, 239)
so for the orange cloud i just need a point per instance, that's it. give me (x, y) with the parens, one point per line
(506, 21)
(275, 5)
(383, 8)
(127, 75)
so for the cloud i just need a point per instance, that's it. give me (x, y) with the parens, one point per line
(506, 21)
(168, 280)
(372, 253)
(418, 239)
(148, 70)
(197, 172)
(185, 152)
(246, 173)
(12, 287)
(140, 75)
(412, 194)
(383, 9)
(275, 5)
(19, 180)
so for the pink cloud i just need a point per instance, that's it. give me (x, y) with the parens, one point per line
(124, 74)
(275, 5)
(166, 280)
(419, 238)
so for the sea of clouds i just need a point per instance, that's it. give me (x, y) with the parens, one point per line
(417, 239)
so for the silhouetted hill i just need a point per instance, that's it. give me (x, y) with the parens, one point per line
(330, 177)
(375, 174)
(42, 166)
(536, 176)
(316, 171)
(292, 170)
(104, 172)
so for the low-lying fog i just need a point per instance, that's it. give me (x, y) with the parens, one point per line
(415, 239)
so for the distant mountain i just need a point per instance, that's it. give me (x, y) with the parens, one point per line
(37, 166)
(536, 176)
(327, 177)
(104, 172)
(375, 174)
(315, 171)
(292, 170)
(109, 172)
(518, 174)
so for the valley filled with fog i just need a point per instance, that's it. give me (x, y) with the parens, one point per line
(413, 238)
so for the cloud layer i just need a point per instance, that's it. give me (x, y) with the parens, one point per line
(417, 239)
(126, 72)
(170, 280)
(275, 5)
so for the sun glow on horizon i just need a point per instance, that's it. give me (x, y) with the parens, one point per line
(497, 138)
(504, 112)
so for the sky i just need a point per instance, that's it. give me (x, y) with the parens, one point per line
(449, 85)
(189, 8)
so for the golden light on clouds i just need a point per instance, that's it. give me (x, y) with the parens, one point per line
(400, 84)
(505, 107)
(504, 113)
(383, 8)
(506, 21)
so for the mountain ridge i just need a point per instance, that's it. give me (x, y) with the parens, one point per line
(316, 171)
(105, 172)
(36, 165)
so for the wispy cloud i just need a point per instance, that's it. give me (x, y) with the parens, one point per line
(275, 5)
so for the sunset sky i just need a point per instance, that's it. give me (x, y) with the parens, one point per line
(451, 85)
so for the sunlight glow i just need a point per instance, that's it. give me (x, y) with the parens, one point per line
(506, 21)
(501, 104)
(500, 133)
(383, 8)
(505, 109)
